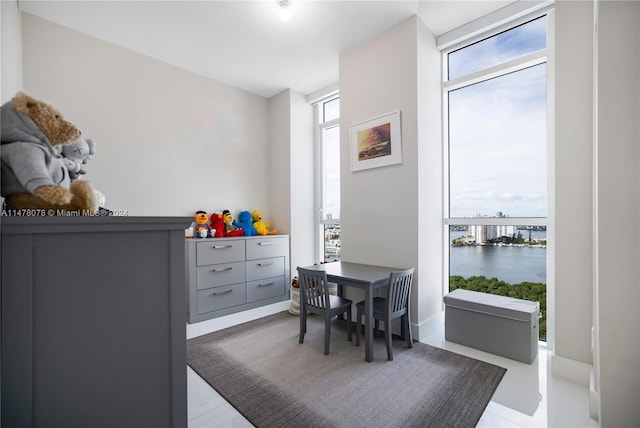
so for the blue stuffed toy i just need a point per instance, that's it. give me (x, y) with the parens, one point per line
(245, 222)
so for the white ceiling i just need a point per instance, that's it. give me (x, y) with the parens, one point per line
(244, 43)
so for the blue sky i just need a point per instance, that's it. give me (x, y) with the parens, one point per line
(498, 132)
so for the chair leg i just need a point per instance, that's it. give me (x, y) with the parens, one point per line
(405, 325)
(387, 339)
(358, 325)
(303, 324)
(327, 334)
(377, 328)
(349, 325)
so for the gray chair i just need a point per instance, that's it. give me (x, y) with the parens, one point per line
(315, 298)
(394, 305)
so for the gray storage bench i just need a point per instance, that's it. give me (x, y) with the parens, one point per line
(497, 324)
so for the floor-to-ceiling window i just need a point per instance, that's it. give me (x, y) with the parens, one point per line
(495, 98)
(328, 177)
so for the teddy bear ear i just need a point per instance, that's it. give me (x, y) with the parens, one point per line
(25, 103)
(22, 102)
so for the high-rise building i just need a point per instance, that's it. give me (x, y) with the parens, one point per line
(486, 233)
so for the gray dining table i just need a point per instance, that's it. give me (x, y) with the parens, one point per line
(364, 277)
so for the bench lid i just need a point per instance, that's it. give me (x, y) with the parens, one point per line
(493, 304)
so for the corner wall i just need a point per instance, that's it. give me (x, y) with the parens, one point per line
(431, 243)
(387, 216)
(291, 164)
(617, 297)
(302, 178)
(574, 181)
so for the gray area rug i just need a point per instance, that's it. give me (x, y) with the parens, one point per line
(262, 370)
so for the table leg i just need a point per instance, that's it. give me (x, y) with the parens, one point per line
(368, 330)
(340, 292)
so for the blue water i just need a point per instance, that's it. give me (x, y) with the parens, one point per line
(509, 264)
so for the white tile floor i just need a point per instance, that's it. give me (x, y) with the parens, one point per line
(528, 395)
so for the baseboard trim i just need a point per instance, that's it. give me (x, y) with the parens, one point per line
(428, 327)
(594, 397)
(215, 324)
(571, 370)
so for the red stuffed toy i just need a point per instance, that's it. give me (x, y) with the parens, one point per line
(217, 223)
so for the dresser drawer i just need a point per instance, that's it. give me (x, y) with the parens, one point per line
(268, 246)
(265, 288)
(216, 298)
(214, 251)
(265, 268)
(221, 274)
(228, 275)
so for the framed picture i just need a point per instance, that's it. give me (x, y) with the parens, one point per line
(376, 142)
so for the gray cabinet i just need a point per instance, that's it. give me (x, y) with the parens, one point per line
(228, 275)
(93, 330)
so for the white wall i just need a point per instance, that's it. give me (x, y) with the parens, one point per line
(430, 181)
(574, 181)
(618, 211)
(599, 185)
(279, 158)
(291, 166)
(381, 208)
(10, 50)
(302, 168)
(169, 142)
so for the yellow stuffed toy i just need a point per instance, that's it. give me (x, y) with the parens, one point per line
(260, 226)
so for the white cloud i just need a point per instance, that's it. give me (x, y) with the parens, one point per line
(498, 146)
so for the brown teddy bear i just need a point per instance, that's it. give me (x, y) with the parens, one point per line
(34, 175)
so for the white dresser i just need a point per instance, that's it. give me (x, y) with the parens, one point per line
(228, 275)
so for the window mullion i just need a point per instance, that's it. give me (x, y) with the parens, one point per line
(525, 61)
(498, 221)
(330, 124)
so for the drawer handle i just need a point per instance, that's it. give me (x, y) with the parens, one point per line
(265, 264)
(219, 247)
(266, 284)
(265, 243)
(217, 293)
(222, 270)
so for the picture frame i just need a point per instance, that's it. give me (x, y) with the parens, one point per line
(376, 142)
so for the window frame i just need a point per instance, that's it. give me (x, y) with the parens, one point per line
(320, 127)
(541, 56)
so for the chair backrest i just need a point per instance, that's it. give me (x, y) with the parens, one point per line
(399, 291)
(314, 288)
